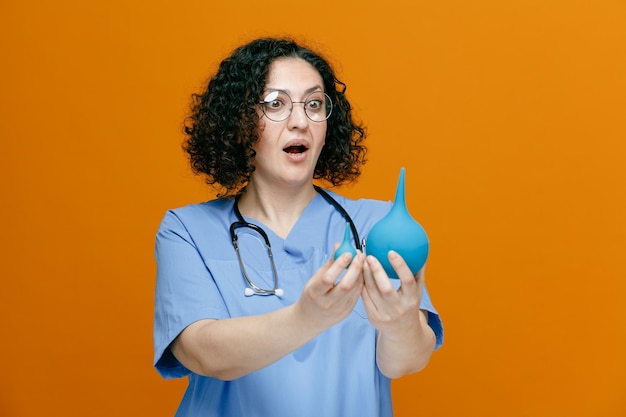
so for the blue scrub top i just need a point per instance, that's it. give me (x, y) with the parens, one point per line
(199, 277)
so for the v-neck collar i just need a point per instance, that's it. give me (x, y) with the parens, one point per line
(315, 201)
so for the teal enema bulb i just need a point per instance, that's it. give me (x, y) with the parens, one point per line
(346, 245)
(398, 231)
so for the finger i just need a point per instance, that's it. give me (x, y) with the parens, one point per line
(324, 278)
(368, 277)
(403, 271)
(372, 298)
(344, 263)
(419, 280)
(370, 306)
(419, 277)
(382, 287)
(353, 276)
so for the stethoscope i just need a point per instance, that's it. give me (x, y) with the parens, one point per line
(252, 288)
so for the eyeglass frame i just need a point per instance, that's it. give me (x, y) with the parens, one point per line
(329, 112)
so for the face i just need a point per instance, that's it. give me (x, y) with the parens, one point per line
(287, 151)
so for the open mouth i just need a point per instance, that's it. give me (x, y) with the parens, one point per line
(295, 149)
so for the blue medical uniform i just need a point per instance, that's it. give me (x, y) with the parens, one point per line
(199, 277)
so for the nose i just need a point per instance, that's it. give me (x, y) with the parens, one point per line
(298, 117)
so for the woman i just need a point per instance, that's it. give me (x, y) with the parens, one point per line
(287, 331)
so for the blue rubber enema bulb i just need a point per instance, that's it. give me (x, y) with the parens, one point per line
(398, 231)
(346, 245)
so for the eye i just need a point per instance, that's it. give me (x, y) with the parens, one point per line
(316, 101)
(315, 104)
(274, 104)
(274, 101)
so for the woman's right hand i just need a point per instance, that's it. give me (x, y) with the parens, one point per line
(325, 301)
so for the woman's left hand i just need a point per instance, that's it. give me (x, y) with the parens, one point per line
(405, 340)
(387, 309)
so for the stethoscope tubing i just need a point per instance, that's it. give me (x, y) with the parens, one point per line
(241, 222)
(344, 213)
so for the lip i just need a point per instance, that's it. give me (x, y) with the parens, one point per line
(296, 143)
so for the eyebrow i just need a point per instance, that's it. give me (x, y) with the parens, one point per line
(307, 91)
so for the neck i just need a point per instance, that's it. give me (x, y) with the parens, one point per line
(278, 209)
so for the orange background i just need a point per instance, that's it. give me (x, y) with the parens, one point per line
(510, 117)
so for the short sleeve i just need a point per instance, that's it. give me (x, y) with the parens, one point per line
(185, 292)
(434, 320)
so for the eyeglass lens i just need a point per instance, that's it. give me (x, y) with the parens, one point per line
(277, 106)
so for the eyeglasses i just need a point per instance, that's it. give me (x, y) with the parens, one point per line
(277, 106)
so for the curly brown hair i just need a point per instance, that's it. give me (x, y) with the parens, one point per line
(222, 127)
